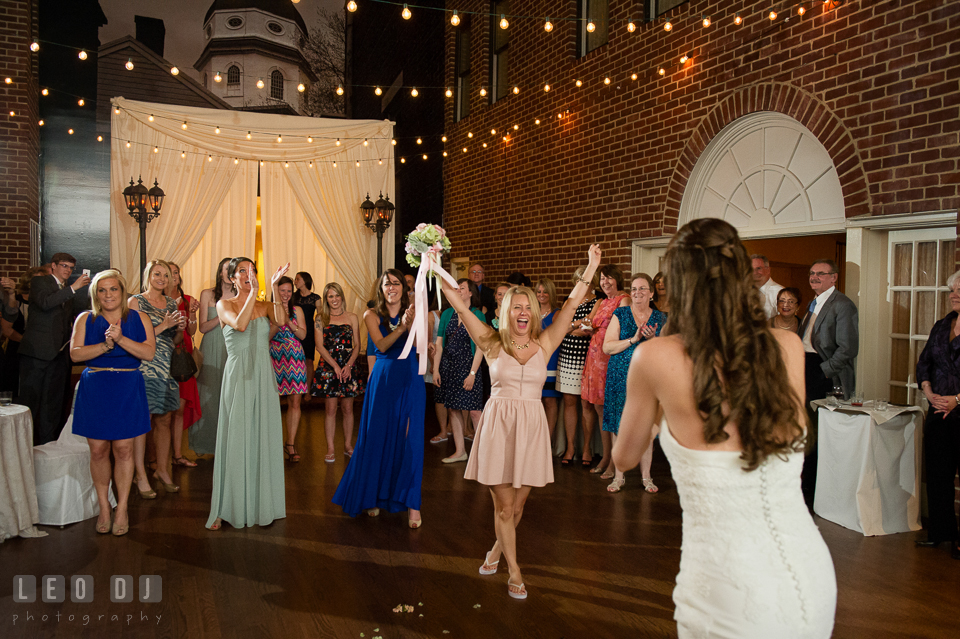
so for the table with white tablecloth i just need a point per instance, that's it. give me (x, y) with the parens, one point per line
(18, 492)
(868, 470)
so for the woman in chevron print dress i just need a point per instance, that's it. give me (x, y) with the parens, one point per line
(289, 362)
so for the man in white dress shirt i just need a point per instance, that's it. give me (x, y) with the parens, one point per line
(768, 288)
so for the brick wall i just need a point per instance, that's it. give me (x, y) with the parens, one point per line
(877, 82)
(19, 134)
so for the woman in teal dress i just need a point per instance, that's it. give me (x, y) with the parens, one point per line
(248, 486)
(203, 434)
(628, 326)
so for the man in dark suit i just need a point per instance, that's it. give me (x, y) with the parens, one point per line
(487, 295)
(831, 339)
(44, 361)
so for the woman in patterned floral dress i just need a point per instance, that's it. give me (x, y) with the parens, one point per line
(163, 394)
(595, 368)
(289, 363)
(336, 380)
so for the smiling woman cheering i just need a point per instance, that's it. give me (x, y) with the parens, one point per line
(511, 453)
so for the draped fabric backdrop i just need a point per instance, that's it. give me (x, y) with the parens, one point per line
(309, 208)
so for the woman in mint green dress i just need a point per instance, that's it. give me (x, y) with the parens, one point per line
(248, 486)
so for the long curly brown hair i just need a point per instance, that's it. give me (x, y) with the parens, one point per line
(718, 314)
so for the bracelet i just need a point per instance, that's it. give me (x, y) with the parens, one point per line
(580, 279)
(473, 372)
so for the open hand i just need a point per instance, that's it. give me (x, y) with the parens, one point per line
(8, 284)
(408, 317)
(280, 272)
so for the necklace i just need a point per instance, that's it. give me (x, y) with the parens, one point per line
(337, 314)
(520, 347)
(779, 324)
(393, 326)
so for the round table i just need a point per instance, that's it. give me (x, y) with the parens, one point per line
(18, 491)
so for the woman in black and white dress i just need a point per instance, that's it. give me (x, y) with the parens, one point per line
(573, 355)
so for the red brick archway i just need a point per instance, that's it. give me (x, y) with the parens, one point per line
(788, 100)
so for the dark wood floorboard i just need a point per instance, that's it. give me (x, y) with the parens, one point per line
(596, 565)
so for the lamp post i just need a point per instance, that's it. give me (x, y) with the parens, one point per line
(137, 199)
(377, 217)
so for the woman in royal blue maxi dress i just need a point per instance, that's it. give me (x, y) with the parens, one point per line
(386, 469)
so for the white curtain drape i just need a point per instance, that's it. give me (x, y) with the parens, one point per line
(204, 212)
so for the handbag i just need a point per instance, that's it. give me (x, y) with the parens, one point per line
(182, 364)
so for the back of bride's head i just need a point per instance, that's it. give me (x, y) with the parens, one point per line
(719, 315)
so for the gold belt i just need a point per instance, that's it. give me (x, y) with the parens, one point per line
(96, 369)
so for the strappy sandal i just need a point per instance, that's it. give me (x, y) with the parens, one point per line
(649, 486)
(183, 461)
(616, 485)
(290, 451)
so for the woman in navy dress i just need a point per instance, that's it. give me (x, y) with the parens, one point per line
(547, 298)
(111, 404)
(386, 469)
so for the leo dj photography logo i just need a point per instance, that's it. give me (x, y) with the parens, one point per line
(53, 589)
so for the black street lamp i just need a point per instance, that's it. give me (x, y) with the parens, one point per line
(377, 217)
(138, 198)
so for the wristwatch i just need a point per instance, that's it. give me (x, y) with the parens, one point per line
(473, 372)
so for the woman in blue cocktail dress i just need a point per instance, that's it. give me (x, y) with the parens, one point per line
(386, 469)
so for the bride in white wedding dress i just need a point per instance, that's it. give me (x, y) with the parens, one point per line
(752, 562)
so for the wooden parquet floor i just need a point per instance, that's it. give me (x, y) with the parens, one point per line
(595, 564)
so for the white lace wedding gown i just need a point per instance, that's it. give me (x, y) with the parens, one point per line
(752, 562)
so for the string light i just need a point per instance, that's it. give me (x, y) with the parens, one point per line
(380, 162)
(156, 150)
(393, 142)
(493, 131)
(413, 92)
(444, 154)
(311, 164)
(661, 71)
(706, 21)
(516, 127)
(378, 91)
(174, 71)
(310, 139)
(236, 160)
(47, 92)
(801, 11)
(301, 87)
(454, 19)
(81, 102)
(464, 149)
(548, 26)
(339, 89)
(424, 157)
(537, 121)
(116, 109)
(606, 80)
(443, 138)
(249, 135)
(218, 77)
(351, 6)
(338, 141)
(34, 46)
(286, 165)
(358, 162)
(516, 90)
(503, 22)
(128, 65)
(633, 76)
(578, 83)
(70, 131)
(259, 83)
(772, 15)
(484, 145)
(667, 26)
(209, 158)
(217, 130)
(184, 125)
(402, 161)
(483, 92)
(684, 58)
(99, 137)
(448, 92)
(546, 88)
(631, 27)
(82, 55)
(406, 13)
(738, 20)
(365, 142)
(128, 145)
(40, 122)
(279, 139)
(469, 134)
(591, 27)
(150, 117)
(8, 80)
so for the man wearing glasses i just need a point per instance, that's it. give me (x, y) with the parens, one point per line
(44, 363)
(831, 339)
(487, 298)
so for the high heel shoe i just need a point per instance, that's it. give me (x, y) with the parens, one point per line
(290, 451)
(415, 523)
(170, 488)
(145, 494)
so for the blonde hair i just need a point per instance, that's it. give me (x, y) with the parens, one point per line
(504, 337)
(109, 274)
(145, 282)
(578, 275)
(325, 307)
(550, 289)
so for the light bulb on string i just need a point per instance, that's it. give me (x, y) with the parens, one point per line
(483, 92)
(338, 142)
(403, 160)
(279, 139)
(249, 135)
(174, 71)
(419, 141)
(464, 149)
(40, 123)
(448, 92)
(772, 15)
(129, 64)
(444, 154)
(183, 154)
(546, 88)
(661, 71)
(34, 46)
(311, 164)
(516, 127)
(469, 134)
(579, 83)
(591, 27)
(310, 139)
(380, 162)
(351, 6)
(339, 89)
(47, 92)
(80, 102)
(209, 158)
(606, 80)
(70, 131)
(548, 26)
(115, 109)
(236, 160)
(424, 156)
(631, 27)
(82, 55)
(261, 162)
(493, 131)
(365, 142)
(633, 76)
(413, 92)
(156, 150)
(737, 20)
(99, 138)
(128, 145)
(217, 130)
(406, 13)
(684, 58)
(443, 138)
(537, 121)
(484, 145)
(259, 83)
(393, 142)
(516, 90)
(801, 11)
(358, 164)
(8, 80)
(706, 21)
(503, 21)
(184, 125)
(378, 91)
(286, 165)
(667, 26)
(301, 87)
(454, 19)
(218, 77)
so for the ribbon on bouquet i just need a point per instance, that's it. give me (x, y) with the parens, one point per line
(419, 331)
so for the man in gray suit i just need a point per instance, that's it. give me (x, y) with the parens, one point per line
(44, 361)
(831, 339)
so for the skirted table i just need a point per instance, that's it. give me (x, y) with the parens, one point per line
(868, 472)
(18, 492)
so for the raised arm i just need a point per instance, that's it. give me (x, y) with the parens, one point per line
(280, 315)
(550, 339)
